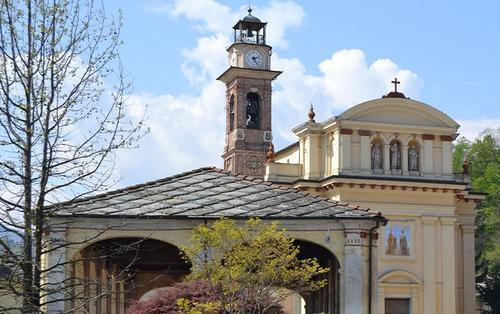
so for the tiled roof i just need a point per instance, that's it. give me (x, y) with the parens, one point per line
(210, 193)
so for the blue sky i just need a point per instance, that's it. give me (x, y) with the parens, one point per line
(332, 53)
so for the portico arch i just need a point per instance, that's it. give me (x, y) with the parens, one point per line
(111, 273)
(326, 299)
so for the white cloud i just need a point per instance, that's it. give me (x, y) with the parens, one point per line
(207, 60)
(472, 128)
(346, 79)
(215, 17)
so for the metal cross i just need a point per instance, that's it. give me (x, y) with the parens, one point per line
(395, 82)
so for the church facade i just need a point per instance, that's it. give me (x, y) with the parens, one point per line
(370, 193)
(391, 154)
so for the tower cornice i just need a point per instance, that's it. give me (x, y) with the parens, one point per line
(234, 72)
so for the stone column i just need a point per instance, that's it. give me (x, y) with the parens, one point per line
(449, 275)
(429, 259)
(387, 159)
(356, 267)
(55, 277)
(404, 159)
(469, 268)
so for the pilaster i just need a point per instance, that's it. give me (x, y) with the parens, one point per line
(345, 157)
(55, 275)
(356, 267)
(449, 267)
(312, 156)
(428, 154)
(404, 159)
(447, 158)
(365, 153)
(387, 159)
(429, 260)
(469, 268)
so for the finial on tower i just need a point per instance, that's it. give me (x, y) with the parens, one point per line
(270, 153)
(311, 114)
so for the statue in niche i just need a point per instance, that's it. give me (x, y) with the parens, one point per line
(395, 156)
(376, 156)
(412, 158)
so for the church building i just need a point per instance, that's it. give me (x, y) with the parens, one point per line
(370, 193)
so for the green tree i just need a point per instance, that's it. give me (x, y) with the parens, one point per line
(483, 156)
(255, 265)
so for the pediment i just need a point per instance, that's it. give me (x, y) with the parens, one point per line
(399, 111)
(399, 277)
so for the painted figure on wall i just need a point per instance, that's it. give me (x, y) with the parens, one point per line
(398, 240)
(403, 245)
(391, 244)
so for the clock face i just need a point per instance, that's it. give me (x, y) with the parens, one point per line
(254, 58)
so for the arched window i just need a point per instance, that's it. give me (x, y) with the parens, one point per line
(231, 113)
(252, 117)
(395, 157)
(413, 158)
(377, 156)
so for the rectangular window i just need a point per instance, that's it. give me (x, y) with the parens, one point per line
(397, 306)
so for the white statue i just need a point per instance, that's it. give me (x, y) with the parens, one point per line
(395, 156)
(413, 158)
(376, 156)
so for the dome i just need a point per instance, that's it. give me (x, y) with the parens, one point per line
(251, 18)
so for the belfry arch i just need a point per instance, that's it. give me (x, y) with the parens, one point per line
(110, 274)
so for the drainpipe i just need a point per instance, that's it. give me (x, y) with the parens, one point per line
(370, 270)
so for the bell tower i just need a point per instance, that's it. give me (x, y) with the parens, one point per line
(248, 98)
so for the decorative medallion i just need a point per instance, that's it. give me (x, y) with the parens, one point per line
(268, 136)
(239, 134)
(254, 164)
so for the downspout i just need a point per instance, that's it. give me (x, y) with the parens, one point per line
(370, 270)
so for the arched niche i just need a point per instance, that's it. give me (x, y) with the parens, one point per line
(414, 157)
(252, 118)
(377, 155)
(326, 299)
(109, 274)
(395, 156)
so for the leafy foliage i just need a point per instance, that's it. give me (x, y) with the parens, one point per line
(251, 265)
(484, 169)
